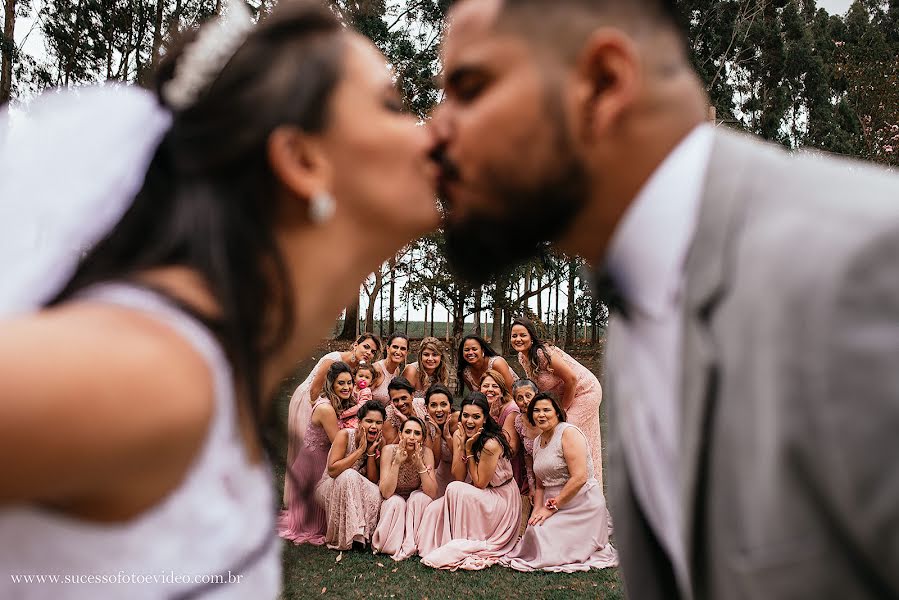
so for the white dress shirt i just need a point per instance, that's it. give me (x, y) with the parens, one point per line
(646, 259)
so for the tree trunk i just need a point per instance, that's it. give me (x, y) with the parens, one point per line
(424, 329)
(157, 32)
(351, 322)
(539, 296)
(407, 310)
(507, 325)
(381, 307)
(432, 316)
(477, 311)
(556, 320)
(572, 312)
(496, 333)
(7, 50)
(392, 309)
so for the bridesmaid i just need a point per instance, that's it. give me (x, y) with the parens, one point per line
(430, 368)
(364, 349)
(304, 521)
(390, 366)
(348, 491)
(441, 422)
(407, 485)
(475, 358)
(502, 405)
(567, 531)
(476, 523)
(555, 371)
(524, 391)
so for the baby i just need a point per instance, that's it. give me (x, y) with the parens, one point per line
(362, 378)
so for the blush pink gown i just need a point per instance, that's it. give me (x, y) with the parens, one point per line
(470, 528)
(299, 412)
(518, 468)
(304, 521)
(584, 409)
(574, 538)
(379, 392)
(351, 503)
(401, 515)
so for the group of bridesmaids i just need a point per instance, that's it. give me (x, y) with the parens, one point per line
(379, 456)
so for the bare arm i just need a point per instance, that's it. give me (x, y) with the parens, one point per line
(574, 449)
(459, 467)
(97, 401)
(318, 383)
(564, 372)
(390, 470)
(411, 373)
(338, 460)
(482, 471)
(325, 417)
(389, 432)
(429, 477)
(502, 367)
(511, 433)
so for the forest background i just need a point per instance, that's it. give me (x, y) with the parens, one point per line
(786, 70)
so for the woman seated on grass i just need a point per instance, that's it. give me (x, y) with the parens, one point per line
(348, 491)
(476, 523)
(568, 530)
(408, 485)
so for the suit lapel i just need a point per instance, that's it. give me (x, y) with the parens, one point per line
(707, 273)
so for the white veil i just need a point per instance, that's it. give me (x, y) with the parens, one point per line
(70, 166)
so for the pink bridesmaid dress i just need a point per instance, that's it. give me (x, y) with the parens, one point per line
(304, 521)
(299, 412)
(518, 469)
(574, 538)
(444, 463)
(351, 503)
(401, 515)
(527, 433)
(470, 528)
(584, 409)
(379, 392)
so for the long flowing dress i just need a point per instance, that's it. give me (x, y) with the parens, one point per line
(401, 515)
(576, 537)
(471, 528)
(584, 409)
(304, 520)
(351, 503)
(299, 412)
(379, 392)
(468, 375)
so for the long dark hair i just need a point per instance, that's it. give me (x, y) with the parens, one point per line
(460, 359)
(209, 198)
(334, 371)
(537, 346)
(492, 430)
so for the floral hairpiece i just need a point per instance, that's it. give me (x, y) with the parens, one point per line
(206, 56)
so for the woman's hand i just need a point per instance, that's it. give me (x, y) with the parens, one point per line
(459, 439)
(469, 443)
(361, 439)
(400, 454)
(539, 516)
(447, 431)
(375, 445)
(418, 457)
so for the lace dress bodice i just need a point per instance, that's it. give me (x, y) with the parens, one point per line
(549, 461)
(315, 434)
(407, 480)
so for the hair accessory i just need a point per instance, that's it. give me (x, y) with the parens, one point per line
(204, 59)
(321, 207)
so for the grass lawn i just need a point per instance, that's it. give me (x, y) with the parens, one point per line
(315, 572)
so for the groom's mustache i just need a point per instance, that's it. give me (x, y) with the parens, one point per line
(449, 170)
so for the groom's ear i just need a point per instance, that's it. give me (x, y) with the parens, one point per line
(608, 75)
(299, 162)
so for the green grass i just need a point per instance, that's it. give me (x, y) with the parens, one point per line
(315, 572)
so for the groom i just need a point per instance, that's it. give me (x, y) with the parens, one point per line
(754, 362)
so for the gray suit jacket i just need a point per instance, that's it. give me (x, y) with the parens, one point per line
(790, 398)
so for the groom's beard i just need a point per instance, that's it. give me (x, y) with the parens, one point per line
(526, 220)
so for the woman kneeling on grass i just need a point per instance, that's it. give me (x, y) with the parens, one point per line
(476, 523)
(568, 530)
(348, 491)
(408, 485)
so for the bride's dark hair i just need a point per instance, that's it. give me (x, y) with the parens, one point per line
(209, 198)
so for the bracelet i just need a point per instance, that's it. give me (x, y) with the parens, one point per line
(367, 454)
(425, 470)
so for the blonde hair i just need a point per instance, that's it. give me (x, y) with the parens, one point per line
(441, 374)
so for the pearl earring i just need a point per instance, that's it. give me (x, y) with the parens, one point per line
(321, 208)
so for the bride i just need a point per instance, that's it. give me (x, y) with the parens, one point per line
(229, 219)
